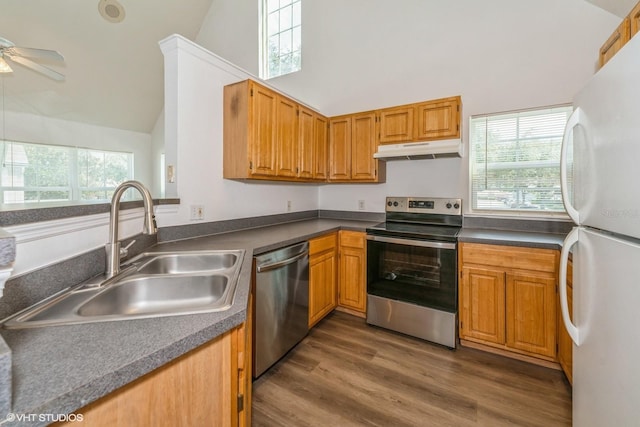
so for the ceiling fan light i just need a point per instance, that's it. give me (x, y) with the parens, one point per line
(4, 67)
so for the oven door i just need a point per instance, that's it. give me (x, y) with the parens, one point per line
(419, 272)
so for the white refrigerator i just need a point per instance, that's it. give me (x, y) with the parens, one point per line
(600, 171)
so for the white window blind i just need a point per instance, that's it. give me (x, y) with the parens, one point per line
(281, 46)
(515, 160)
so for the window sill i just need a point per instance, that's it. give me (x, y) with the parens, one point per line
(18, 214)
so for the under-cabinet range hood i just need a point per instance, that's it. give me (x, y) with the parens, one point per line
(420, 150)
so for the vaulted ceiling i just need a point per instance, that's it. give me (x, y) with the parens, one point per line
(114, 71)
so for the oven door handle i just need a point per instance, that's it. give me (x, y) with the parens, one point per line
(411, 242)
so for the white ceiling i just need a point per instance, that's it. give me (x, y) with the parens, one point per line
(619, 8)
(114, 72)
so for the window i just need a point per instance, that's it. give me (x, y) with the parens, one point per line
(515, 160)
(281, 37)
(49, 173)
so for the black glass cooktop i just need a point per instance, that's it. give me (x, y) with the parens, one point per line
(416, 231)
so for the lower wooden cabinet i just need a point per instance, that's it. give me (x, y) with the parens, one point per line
(352, 268)
(508, 298)
(209, 386)
(323, 276)
(565, 345)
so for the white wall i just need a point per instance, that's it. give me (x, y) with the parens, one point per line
(358, 55)
(157, 149)
(194, 82)
(499, 55)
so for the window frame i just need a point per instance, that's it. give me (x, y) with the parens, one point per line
(73, 188)
(508, 213)
(263, 50)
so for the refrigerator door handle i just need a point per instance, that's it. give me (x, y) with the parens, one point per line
(574, 120)
(569, 241)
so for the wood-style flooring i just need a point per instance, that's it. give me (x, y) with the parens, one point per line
(347, 373)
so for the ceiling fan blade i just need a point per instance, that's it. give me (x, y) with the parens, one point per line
(4, 67)
(30, 52)
(36, 67)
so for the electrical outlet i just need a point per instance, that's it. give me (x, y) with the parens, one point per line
(288, 205)
(361, 205)
(197, 212)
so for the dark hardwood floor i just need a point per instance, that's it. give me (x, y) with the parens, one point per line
(346, 373)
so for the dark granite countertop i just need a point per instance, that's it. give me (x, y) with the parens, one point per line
(60, 369)
(512, 238)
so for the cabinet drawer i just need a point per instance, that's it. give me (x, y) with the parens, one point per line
(352, 239)
(534, 259)
(323, 243)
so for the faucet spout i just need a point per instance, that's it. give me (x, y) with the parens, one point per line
(150, 227)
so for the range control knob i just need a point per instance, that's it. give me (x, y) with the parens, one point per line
(457, 205)
(448, 205)
(395, 203)
(389, 203)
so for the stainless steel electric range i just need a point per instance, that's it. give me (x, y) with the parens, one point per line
(412, 279)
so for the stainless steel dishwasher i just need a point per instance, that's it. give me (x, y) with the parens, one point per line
(281, 304)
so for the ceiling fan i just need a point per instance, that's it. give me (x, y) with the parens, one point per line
(21, 55)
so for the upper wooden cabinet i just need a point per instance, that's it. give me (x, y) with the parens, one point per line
(306, 143)
(270, 136)
(634, 20)
(287, 136)
(396, 124)
(321, 147)
(439, 119)
(614, 43)
(508, 298)
(424, 121)
(621, 35)
(352, 143)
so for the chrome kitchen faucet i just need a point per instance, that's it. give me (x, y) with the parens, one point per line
(114, 251)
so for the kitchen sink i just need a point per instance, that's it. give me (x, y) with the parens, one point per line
(153, 284)
(184, 263)
(157, 294)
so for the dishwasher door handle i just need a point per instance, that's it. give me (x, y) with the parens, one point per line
(262, 268)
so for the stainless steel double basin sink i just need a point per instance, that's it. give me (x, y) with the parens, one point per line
(153, 284)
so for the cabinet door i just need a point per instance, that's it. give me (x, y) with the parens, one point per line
(482, 305)
(322, 285)
(438, 119)
(565, 345)
(263, 124)
(321, 144)
(287, 137)
(396, 125)
(340, 148)
(196, 389)
(615, 42)
(306, 143)
(363, 146)
(531, 313)
(352, 290)
(634, 20)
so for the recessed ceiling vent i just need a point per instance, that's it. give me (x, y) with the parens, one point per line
(111, 10)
